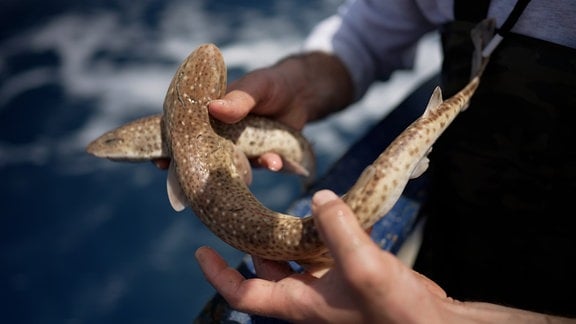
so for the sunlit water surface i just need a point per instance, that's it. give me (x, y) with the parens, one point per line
(84, 240)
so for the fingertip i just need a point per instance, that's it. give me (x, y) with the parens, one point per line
(210, 262)
(329, 211)
(162, 164)
(271, 161)
(217, 105)
(219, 274)
(234, 106)
(208, 258)
(322, 197)
(327, 208)
(338, 226)
(201, 253)
(219, 109)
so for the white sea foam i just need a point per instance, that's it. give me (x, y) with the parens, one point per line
(126, 91)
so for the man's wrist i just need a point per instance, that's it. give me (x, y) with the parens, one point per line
(325, 86)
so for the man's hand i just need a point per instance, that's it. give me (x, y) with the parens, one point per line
(366, 285)
(293, 91)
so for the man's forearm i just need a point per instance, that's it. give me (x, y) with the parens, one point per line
(475, 312)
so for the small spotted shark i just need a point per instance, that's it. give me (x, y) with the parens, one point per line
(209, 169)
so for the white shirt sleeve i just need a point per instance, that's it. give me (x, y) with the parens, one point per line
(376, 37)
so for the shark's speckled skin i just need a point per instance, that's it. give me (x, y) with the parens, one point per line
(204, 162)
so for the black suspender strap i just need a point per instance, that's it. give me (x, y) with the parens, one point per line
(477, 10)
(513, 17)
(506, 27)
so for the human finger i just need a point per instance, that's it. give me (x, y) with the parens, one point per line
(234, 106)
(346, 239)
(431, 285)
(163, 163)
(270, 161)
(271, 270)
(224, 278)
(241, 293)
(255, 296)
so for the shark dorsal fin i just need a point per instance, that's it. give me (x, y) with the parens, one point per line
(434, 102)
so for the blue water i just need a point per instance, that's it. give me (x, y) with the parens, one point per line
(84, 240)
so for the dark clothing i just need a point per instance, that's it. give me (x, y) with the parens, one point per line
(500, 223)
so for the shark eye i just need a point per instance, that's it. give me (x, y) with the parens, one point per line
(114, 140)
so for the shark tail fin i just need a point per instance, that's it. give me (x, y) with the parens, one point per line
(485, 39)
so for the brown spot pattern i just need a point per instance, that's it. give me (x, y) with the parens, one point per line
(202, 149)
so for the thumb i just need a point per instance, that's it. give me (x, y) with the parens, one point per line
(339, 227)
(234, 106)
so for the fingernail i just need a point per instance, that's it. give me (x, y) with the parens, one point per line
(273, 165)
(323, 196)
(217, 102)
(200, 253)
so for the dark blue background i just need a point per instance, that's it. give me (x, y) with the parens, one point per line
(82, 241)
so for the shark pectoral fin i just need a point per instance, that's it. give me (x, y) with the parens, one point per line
(422, 166)
(176, 195)
(307, 176)
(294, 167)
(243, 166)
